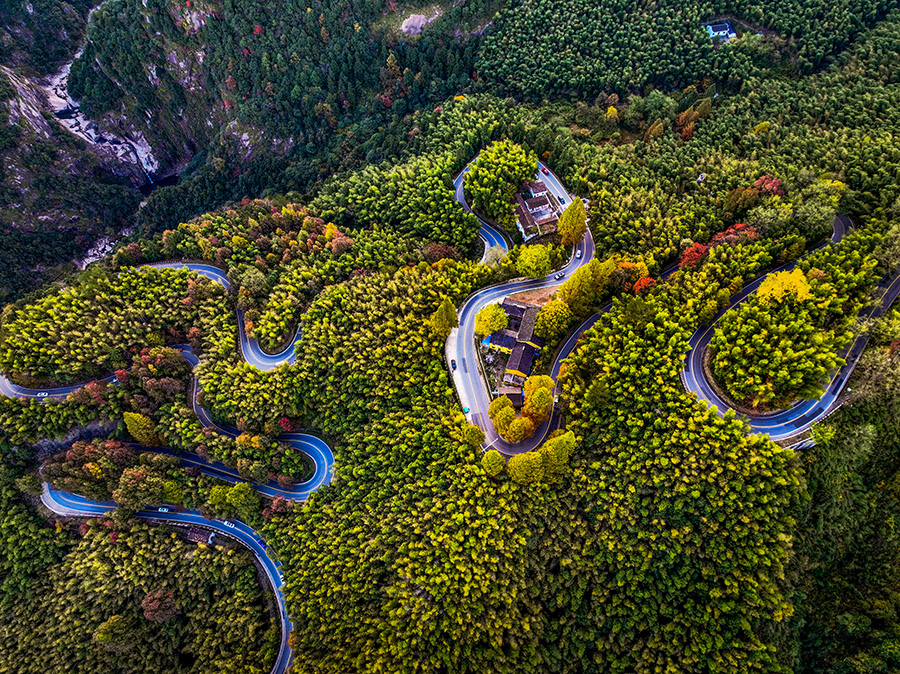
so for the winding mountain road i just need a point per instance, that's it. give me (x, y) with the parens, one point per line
(476, 398)
(800, 417)
(250, 348)
(489, 235)
(471, 386)
(462, 347)
(70, 505)
(66, 504)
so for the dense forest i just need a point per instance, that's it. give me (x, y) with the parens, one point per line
(108, 595)
(649, 532)
(588, 48)
(783, 342)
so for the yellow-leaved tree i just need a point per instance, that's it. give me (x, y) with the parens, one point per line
(785, 284)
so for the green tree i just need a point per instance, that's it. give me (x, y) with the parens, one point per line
(493, 463)
(244, 500)
(583, 289)
(519, 429)
(503, 420)
(473, 436)
(494, 178)
(527, 468)
(142, 429)
(490, 319)
(218, 499)
(555, 454)
(538, 405)
(498, 404)
(534, 261)
(140, 486)
(573, 223)
(444, 319)
(553, 320)
(116, 634)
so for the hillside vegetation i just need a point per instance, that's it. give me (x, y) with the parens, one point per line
(649, 533)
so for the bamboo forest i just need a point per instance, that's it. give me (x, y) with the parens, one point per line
(472, 337)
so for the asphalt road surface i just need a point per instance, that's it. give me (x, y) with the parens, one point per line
(70, 505)
(490, 236)
(315, 448)
(470, 385)
(799, 418)
(467, 379)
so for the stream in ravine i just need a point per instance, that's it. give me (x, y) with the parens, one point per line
(130, 148)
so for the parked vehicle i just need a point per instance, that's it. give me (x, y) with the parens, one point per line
(453, 365)
(562, 200)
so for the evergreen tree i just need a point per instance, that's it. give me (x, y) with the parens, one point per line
(142, 429)
(444, 319)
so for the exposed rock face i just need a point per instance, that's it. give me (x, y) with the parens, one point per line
(33, 109)
(160, 134)
(415, 23)
(26, 108)
(128, 153)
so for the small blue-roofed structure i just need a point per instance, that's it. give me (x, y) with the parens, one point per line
(721, 30)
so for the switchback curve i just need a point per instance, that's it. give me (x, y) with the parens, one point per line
(800, 417)
(66, 504)
(461, 347)
(71, 505)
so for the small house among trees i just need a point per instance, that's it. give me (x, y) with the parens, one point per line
(720, 30)
(518, 340)
(537, 210)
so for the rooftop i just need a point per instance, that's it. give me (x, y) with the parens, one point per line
(537, 203)
(526, 327)
(503, 339)
(520, 360)
(513, 393)
(514, 308)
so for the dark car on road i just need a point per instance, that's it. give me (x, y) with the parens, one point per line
(453, 365)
